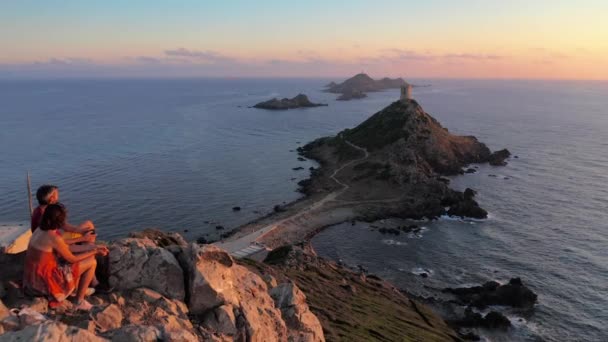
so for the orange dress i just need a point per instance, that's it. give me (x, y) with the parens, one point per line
(44, 275)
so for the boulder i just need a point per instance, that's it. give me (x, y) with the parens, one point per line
(160, 238)
(216, 280)
(496, 320)
(497, 158)
(513, 294)
(302, 324)
(469, 194)
(221, 320)
(179, 336)
(108, 318)
(493, 320)
(145, 306)
(137, 333)
(211, 278)
(467, 208)
(140, 262)
(51, 331)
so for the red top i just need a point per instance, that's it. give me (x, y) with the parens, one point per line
(37, 217)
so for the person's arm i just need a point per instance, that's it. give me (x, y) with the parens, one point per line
(64, 251)
(84, 238)
(81, 228)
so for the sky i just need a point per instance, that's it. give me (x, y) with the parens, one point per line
(533, 39)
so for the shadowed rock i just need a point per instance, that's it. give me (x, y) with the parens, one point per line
(513, 294)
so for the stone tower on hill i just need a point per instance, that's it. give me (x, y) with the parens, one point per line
(406, 92)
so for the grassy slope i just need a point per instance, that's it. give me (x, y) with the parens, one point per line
(373, 311)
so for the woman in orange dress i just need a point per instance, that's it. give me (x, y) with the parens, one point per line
(44, 274)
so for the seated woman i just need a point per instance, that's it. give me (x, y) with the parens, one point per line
(44, 274)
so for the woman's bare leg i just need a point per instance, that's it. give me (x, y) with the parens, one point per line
(87, 272)
(77, 249)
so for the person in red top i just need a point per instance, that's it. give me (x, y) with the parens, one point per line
(49, 194)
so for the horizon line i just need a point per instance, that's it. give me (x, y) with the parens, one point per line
(93, 78)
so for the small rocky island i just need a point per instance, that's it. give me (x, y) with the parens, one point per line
(352, 95)
(357, 86)
(300, 101)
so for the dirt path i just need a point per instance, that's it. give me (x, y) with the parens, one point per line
(306, 220)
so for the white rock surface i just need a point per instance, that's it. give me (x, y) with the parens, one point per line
(141, 263)
(137, 333)
(303, 325)
(216, 280)
(51, 331)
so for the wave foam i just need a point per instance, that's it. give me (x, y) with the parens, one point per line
(391, 242)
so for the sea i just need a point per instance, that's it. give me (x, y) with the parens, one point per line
(179, 154)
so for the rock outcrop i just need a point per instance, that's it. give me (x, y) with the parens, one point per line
(514, 294)
(218, 284)
(300, 101)
(407, 153)
(167, 290)
(51, 332)
(498, 158)
(304, 325)
(142, 263)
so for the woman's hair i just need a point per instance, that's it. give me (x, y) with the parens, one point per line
(42, 195)
(54, 217)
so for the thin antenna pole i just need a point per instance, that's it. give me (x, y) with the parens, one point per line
(29, 194)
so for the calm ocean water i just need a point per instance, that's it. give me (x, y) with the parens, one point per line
(131, 154)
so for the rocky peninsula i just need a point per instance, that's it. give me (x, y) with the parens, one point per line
(391, 165)
(397, 159)
(299, 101)
(357, 86)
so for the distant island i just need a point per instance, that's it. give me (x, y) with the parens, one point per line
(299, 101)
(356, 86)
(351, 95)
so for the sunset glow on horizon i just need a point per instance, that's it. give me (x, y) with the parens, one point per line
(445, 39)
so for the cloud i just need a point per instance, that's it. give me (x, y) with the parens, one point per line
(207, 55)
(65, 61)
(471, 56)
(394, 55)
(184, 62)
(146, 59)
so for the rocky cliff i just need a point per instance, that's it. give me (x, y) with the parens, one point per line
(165, 290)
(398, 156)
